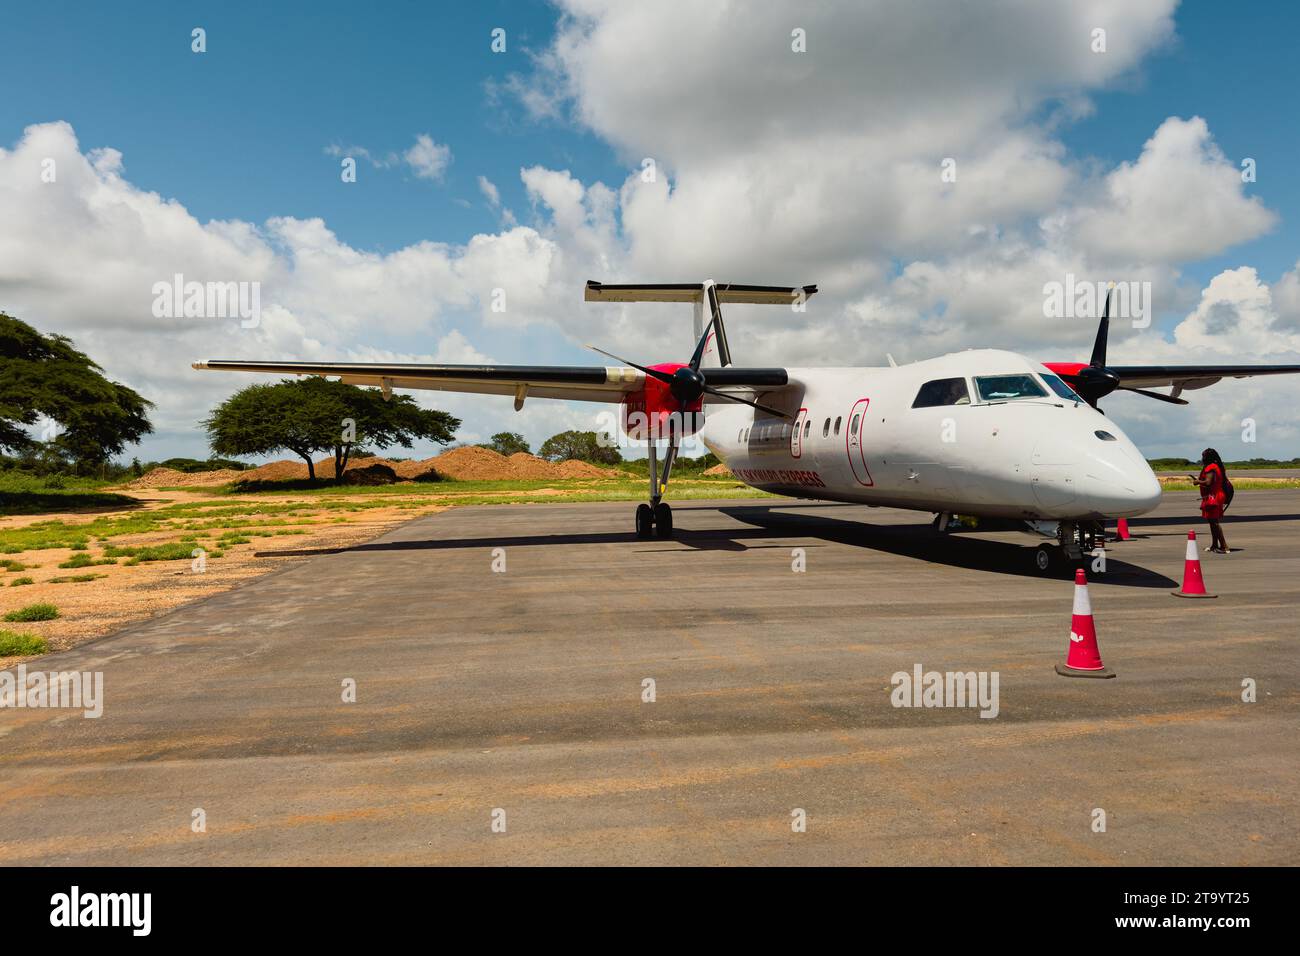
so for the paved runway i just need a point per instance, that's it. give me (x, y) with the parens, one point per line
(522, 692)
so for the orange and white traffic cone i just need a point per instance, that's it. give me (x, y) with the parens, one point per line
(1121, 532)
(1084, 659)
(1193, 583)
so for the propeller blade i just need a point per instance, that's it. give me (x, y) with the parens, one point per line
(1156, 395)
(1099, 345)
(744, 401)
(699, 348)
(653, 373)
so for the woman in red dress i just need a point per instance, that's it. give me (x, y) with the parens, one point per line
(1213, 498)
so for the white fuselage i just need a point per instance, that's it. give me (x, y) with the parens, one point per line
(857, 437)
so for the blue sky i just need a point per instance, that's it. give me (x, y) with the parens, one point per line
(242, 133)
(1236, 66)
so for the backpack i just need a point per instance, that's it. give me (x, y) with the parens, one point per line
(1228, 492)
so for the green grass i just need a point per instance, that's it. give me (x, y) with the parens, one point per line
(1239, 484)
(1184, 465)
(28, 495)
(170, 551)
(11, 565)
(13, 644)
(19, 582)
(43, 611)
(76, 578)
(85, 561)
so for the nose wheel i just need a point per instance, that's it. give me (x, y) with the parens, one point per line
(655, 519)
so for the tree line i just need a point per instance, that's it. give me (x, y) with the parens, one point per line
(92, 419)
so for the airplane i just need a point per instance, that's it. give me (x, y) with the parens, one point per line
(984, 433)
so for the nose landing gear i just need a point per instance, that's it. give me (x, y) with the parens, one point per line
(1074, 541)
(656, 518)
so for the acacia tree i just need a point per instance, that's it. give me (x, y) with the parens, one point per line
(508, 443)
(314, 415)
(46, 375)
(583, 446)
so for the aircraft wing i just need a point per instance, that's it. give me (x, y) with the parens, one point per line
(1191, 376)
(584, 383)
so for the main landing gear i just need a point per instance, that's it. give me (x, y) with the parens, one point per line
(656, 518)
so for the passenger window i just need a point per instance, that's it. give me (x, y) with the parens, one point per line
(826, 429)
(943, 391)
(853, 425)
(1006, 388)
(1105, 436)
(807, 427)
(837, 424)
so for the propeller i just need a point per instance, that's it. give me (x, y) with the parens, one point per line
(1164, 398)
(1095, 381)
(688, 383)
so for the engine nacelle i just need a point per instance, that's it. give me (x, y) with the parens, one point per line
(654, 413)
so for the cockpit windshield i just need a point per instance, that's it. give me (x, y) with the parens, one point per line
(1006, 388)
(1060, 388)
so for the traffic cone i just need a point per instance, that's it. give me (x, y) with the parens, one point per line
(1084, 659)
(1121, 532)
(1193, 583)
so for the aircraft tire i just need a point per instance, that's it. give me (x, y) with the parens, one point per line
(645, 519)
(663, 520)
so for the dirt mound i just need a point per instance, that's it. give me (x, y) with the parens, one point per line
(469, 463)
(278, 471)
(171, 478)
(472, 463)
(718, 470)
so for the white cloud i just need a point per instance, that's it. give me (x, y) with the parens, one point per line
(489, 191)
(1181, 201)
(80, 257)
(427, 159)
(378, 161)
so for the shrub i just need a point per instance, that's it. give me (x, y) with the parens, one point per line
(13, 644)
(42, 611)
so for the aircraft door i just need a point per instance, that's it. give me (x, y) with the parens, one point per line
(796, 437)
(855, 428)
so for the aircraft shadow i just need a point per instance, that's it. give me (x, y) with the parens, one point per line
(921, 543)
(911, 541)
(719, 540)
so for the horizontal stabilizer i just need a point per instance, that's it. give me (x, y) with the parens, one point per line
(694, 292)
